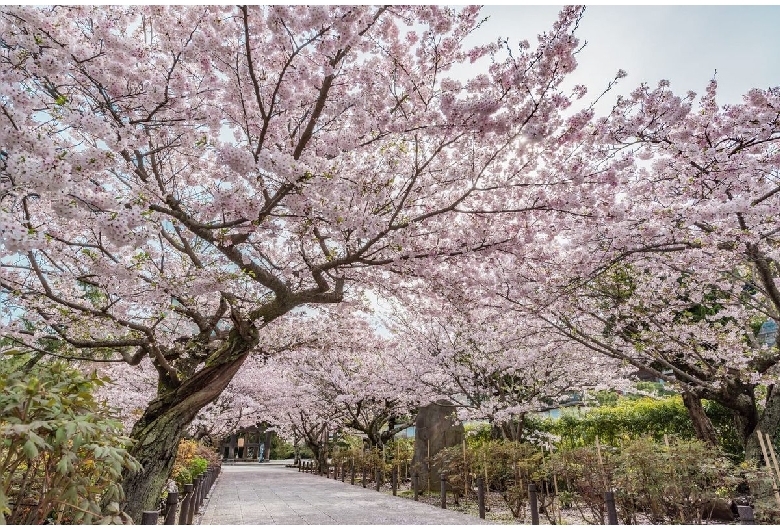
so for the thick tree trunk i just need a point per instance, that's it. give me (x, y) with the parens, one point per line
(702, 425)
(158, 432)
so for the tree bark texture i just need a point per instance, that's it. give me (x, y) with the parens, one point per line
(702, 425)
(158, 432)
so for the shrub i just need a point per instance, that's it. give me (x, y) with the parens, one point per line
(62, 452)
(192, 459)
(675, 483)
(583, 474)
(631, 417)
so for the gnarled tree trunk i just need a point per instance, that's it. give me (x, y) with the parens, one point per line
(702, 425)
(158, 432)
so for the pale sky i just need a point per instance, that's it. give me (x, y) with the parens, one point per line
(684, 44)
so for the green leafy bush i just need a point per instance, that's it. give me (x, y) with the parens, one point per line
(674, 484)
(198, 466)
(62, 453)
(630, 417)
(583, 474)
(192, 459)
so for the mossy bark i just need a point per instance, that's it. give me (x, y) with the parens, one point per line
(158, 432)
(702, 425)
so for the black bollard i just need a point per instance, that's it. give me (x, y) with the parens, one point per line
(171, 503)
(202, 496)
(416, 484)
(378, 479)
(185, 504)
(352, 473)
(534, 503)
(149, 517)
(364, 476)
(481, 496)
(609, 500)
(395, 481)
(192, 507)
(299, 466)
(443, 490)
(197, 485)
(342, 472)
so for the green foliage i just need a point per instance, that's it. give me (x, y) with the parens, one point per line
(583, 474)
(62, 454)
(632, 417)
(192, 459)
(281, 449)
(671, 484)
(507, 466)
(198, 466)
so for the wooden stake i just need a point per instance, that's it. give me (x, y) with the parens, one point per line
(769, 465)
(666, 440)
(428, 465)
(771, 448)
(601, 464)
(465, 472)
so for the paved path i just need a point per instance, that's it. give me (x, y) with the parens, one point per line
(274, 494)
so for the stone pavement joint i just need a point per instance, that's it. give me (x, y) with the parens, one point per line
(273, 494)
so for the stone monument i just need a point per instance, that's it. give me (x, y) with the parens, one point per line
(436, 427)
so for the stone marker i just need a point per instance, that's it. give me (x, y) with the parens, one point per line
(437, 426)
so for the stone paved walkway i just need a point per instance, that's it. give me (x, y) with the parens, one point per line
(273, 494)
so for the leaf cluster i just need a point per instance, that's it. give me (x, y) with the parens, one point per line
(62, 452)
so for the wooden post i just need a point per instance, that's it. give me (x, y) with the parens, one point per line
(534, 503)
(428, 466)
(771, 448)
(769, 465)
(609, 500)
(416, 483)
(191, 508)
(196, 494)
(352, 473)
(149, 517)
(185, 504)
(395, 481)
(601, 464)
(465, 473)
(378, 478)
(342, 472)
(171, 503)
(481, 497)
(203, 490)
(299, 466)
(364, 474)
(443, 490)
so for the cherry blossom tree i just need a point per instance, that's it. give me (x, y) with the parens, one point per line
(174, 179)
(492, 363)
(678, 273)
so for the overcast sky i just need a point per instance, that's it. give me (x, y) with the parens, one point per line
(684, 44)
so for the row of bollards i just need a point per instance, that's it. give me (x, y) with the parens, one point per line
(191, 502)
(745, 512)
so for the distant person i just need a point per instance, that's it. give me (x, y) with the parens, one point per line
(261, 453)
